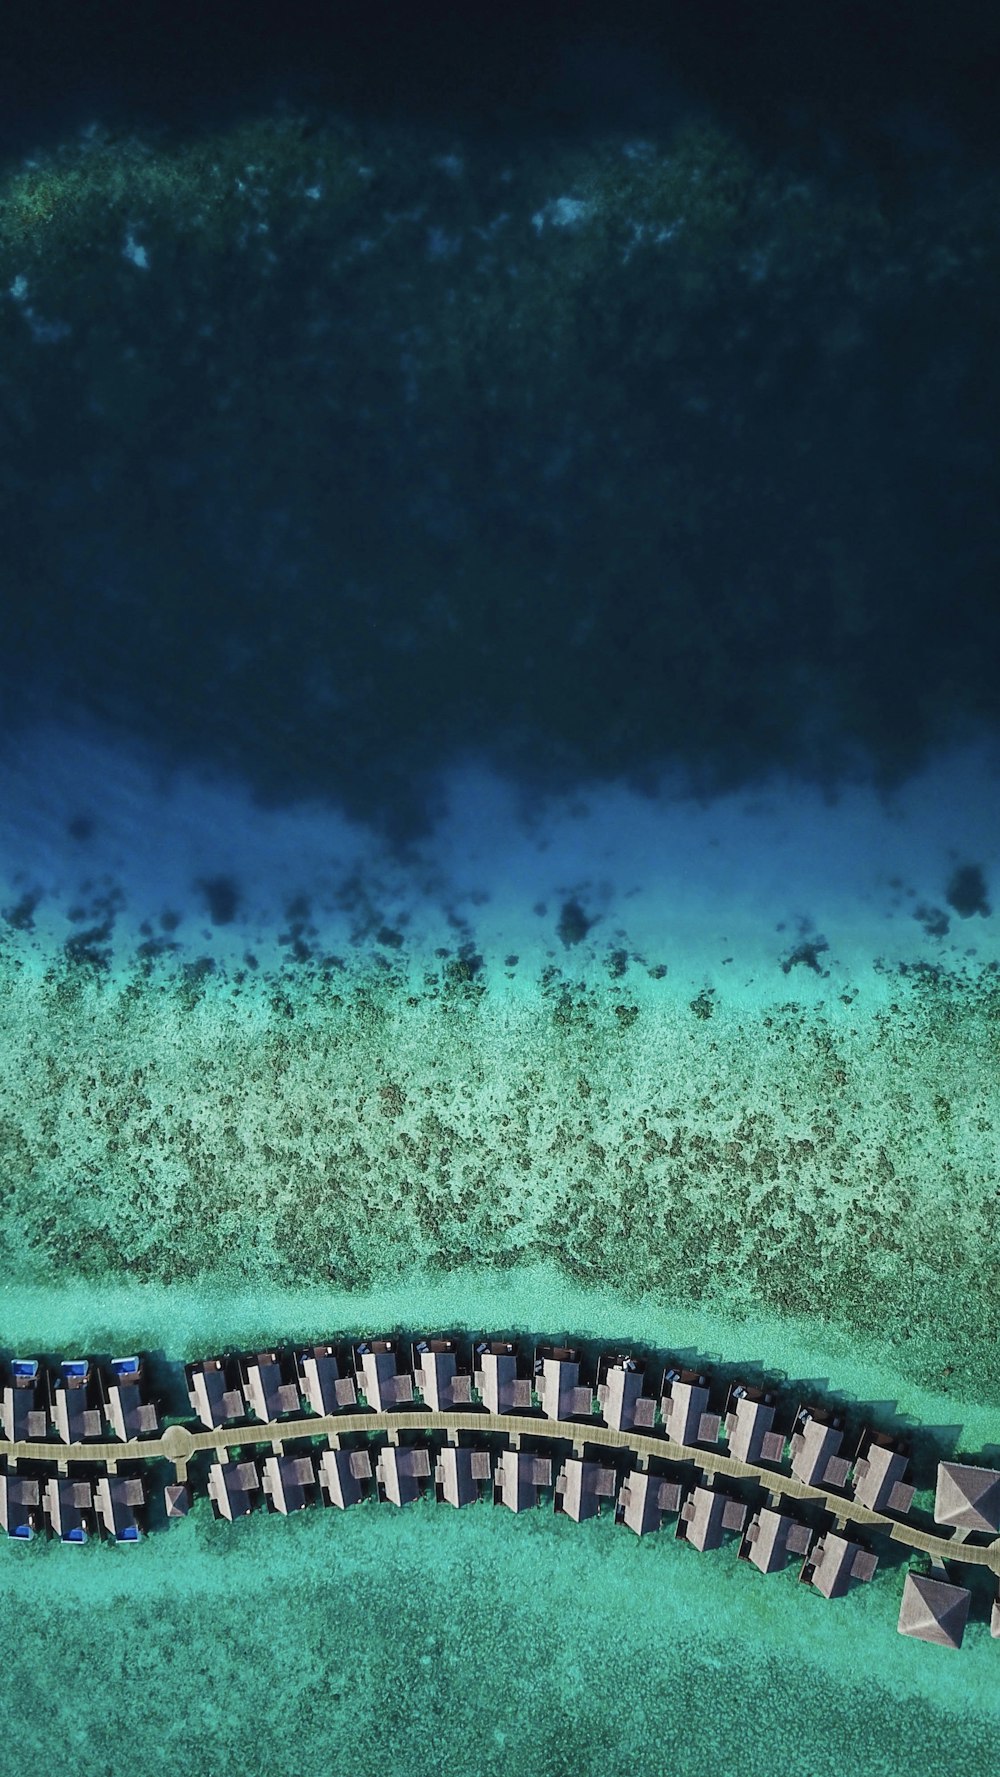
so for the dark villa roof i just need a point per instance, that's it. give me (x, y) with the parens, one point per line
(268, 1393)
(967, 1498)
(749, 1418)
(68, 1506)
(770, 1539)
(213, 1395)
(436, 1374)
(401, 1471)
(877, 1478)
(580, 1487)
(557, 1383)
(684, 1404)
(128, 1411)
(289, 1482)
(74, 1414)
(835, 1563)
(23, 1412)
(499, 1379)
(519, 1474)
(320, 1380)
(816, 1438)
(459, 1472)
(341, 1473)
(118, 1498)
(381, 1383)
(619, 1393)
(19, 1498)
(230, 1485)
(933, 1610)
(706, 1515)
(643, 1499)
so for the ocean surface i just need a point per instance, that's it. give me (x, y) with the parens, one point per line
(499, 783)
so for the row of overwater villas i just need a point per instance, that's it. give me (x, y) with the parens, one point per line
(79, 1401)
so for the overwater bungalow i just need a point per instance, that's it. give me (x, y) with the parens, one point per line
(519, 1476)
(177, 1499)
(834, 1564)
(341, 1475)
(75, 1409)
(684, 1408)
(119, 1500)
(581, 1486)
(771, 1538)
(401, 1472)
(267, 1388)
(69, 1507)
(707, 1515)
(619, 1392)
(877, 1476)
(231, 1487)
(435, 1372)
(749, 1418)
(499, 1379)
(18, 1505)
(934, 1610)
(644, 1499)
(321, 1383)
(127, 1408)
(967, 1498)
(459, 1474)
(816, 1438)
(289, 1482)
(382, 1385)
(214, 1392)
(557, 1383)
(25, 1403)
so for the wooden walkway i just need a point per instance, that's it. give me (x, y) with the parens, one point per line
(178, 1443)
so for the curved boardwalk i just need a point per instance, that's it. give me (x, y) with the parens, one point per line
(177, 1444)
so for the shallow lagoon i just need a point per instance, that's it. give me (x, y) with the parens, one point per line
(470, 1641)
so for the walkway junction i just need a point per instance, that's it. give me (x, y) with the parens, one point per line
(82, 1445)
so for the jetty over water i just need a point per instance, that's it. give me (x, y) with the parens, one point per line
(291, 1429)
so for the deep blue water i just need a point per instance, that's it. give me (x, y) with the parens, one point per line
(734, 519)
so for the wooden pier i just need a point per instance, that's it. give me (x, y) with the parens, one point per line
(177, 1444)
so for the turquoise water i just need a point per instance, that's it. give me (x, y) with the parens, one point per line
(235, 1158)
(498, 786)
(186, 1323)
(468, 1641)
(817, 1148)
(474, 1641)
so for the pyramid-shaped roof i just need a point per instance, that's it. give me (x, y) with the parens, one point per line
(933, 1610)
(968, 1498)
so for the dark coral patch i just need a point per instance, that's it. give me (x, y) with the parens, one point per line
(222, 898)
(573, 923)
(966, 892)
